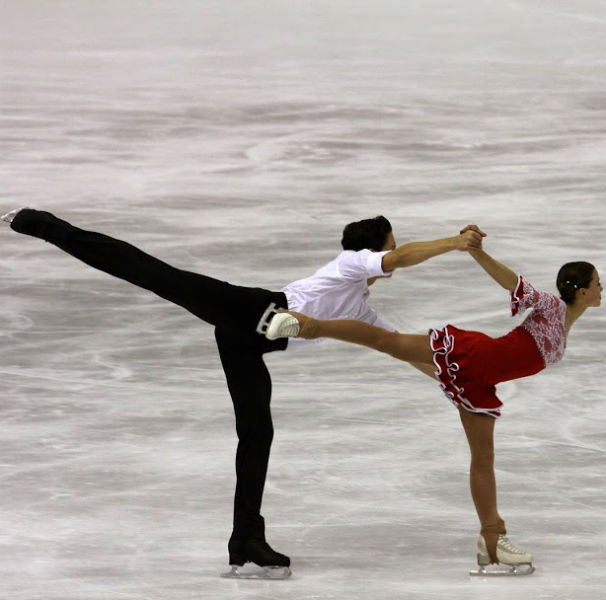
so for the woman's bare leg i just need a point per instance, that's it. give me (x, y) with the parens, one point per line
(403, 346)
(479, 429)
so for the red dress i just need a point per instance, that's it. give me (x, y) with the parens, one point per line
(470, 363)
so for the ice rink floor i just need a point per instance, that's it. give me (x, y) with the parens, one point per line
(237, 139)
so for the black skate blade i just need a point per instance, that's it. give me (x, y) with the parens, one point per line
(502, 570)
(252, 571)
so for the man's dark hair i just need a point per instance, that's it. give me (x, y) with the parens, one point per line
(368, 233)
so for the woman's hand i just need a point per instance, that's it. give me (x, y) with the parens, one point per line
(470, 238)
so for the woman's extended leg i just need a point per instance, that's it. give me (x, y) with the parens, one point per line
(479, 430)
(214, 301)
(403, 346)
(429, 370)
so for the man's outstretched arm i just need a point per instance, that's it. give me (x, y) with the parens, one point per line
(414, 253)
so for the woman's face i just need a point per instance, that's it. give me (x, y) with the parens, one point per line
(593, 293)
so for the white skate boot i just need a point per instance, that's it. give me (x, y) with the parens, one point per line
(512, 560)
(9, 216)
(282, 325)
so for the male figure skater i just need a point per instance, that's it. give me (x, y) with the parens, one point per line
(338, 290)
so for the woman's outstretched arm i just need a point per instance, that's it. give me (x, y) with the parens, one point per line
(503, 275)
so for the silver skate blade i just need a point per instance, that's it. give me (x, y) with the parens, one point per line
(265, 319)
(252, 571)
(9, 216)
(503, 570)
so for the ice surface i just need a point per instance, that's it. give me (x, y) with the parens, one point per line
(236, 139)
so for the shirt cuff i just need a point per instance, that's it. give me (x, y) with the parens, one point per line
(374, 265)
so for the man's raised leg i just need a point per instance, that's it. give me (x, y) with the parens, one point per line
(214, 301)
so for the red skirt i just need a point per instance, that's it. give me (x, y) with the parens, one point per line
(470, 364)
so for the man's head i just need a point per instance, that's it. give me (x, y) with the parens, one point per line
(368, 233)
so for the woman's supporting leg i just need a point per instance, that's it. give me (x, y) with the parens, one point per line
(479, 429)
(407, 347)
(214, 301)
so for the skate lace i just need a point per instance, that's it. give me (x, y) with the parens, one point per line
(506, 544)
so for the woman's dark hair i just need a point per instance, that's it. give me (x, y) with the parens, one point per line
(572, 277)
(369, 233)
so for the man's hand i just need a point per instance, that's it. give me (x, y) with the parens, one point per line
(470, 238)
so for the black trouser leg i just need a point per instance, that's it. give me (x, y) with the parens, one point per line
(249, 384)
(214, 301)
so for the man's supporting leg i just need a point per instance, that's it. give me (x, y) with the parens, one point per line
(249, 384)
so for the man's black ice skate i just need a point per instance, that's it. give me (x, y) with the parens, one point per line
(237, 552)
(256, 559)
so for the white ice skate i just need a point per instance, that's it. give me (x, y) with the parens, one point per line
(9, 216)
(253, 571)
(282, 325)
(512, 560)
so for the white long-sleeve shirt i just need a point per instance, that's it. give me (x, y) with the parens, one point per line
(338, 290)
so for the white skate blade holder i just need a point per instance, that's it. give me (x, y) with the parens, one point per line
(503, 570)
(266, 318)
(253, 571)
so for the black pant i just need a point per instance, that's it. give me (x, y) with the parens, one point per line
(233, 310)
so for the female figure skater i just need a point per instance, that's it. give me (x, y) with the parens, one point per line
(470, 364)
(337, 290)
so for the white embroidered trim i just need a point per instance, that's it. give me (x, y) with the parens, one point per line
(451, 369)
